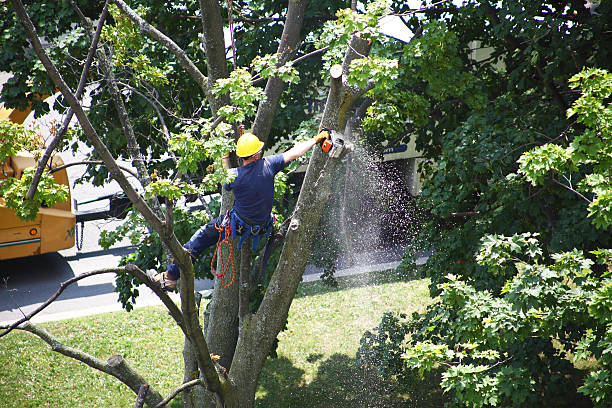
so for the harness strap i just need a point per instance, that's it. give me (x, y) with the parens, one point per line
(244, 229)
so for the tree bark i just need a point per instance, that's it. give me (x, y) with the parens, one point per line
(287, 48)
(259, 330)
(115, 365)
(193, 397)
(192, 330)
(214, 48)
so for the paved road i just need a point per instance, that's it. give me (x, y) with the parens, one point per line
(26, 283)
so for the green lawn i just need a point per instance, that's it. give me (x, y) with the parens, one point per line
(315, 364)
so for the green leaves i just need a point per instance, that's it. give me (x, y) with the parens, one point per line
(497, 250)
(590, 152)
(242, 93)
(14, 192)
(379, 71)
(128, 44)
(537, 163)
(170, 190)
(268, 66)
(15, 138)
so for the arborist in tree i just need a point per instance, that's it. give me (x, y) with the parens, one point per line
(253, 189)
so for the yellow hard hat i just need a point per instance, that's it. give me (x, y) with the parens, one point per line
(248, 145)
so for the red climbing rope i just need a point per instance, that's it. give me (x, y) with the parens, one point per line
(224, 266)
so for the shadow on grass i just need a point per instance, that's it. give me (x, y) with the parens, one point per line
(357, 281)
(339, 382)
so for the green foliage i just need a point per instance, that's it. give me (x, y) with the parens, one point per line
(380, 71)
(14, 138)
(505, 350)
(243, 96)
(337, 33)
(127, 42)
(48, 193)
(268, 66)
(149, 253)
(590, 151)
(490, 82)
(168, 189)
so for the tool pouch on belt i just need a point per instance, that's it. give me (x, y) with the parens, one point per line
(244, 230)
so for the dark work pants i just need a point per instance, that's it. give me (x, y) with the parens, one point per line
(202, 239)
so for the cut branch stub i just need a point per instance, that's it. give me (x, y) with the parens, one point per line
(336, 71)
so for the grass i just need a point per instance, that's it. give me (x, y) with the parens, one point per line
(315, 364)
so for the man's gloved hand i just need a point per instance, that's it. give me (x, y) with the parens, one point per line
(324, 134)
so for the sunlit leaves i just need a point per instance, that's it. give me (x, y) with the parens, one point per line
(536, 163)
(244, 96)
(590, 151)
(337, 34)
(48, 193)
(128, 43)
(168, 189)
(268, 66)
(379, 71)
(15, 138)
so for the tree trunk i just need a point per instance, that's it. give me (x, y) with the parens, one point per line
(194, 396)
(258, 331)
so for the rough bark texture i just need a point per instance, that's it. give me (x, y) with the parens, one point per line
(287, 48)
(222, 313)
(258, 331)
(214, 47)
(193, 397)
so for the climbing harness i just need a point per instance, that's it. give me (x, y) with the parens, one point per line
(231, 227)
(225, 231)
(246, 229)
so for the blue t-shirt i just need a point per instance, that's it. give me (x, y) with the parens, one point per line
(253, 188)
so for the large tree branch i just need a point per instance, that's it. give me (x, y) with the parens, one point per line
(62, 130)
(214, 47)
(287, 48)
(115, 365)
(167, 42)
(191, 323)
(131, 269)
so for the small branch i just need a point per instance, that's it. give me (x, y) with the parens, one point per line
(572, 190)
(310, 54)
(256, 79)
(86, 125)
(142, 393)
(146, 98)
(183, 387)
(167, 42)
(115, 365)
(62, 287)
(90, 162)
